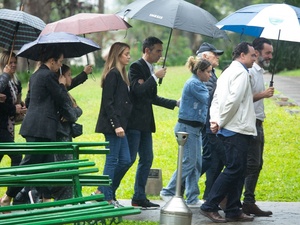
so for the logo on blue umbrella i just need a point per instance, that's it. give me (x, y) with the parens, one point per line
(275, 20)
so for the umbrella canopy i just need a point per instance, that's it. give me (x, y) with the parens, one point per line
(175, 14)
(84, 23)
(18, 28)
(272, 21)
(71, 45)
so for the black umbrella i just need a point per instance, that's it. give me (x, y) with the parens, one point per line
(71, 45)
(175, 14)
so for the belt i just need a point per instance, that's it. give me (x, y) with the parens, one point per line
(191, 123)
(259, 123)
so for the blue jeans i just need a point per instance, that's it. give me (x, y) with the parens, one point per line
(217, 161)
(117, 161)
(254, 165)
(230, 181)
(191, 165)
(140, 143)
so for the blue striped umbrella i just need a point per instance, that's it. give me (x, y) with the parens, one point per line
(18, 28)
(272, 21)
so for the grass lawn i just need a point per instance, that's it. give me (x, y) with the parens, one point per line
(279, 179)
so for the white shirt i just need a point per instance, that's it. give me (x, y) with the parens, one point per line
(232, 106)
(151, 68)
(257, 84)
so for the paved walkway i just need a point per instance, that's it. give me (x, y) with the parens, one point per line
(288, 86)
(284, 213)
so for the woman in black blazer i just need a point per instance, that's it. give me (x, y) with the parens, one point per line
(46, 96)
(12, 106)
(113, 117)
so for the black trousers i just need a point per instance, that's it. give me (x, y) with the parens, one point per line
(33, 159)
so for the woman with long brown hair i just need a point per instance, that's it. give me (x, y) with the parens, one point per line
(113, 117)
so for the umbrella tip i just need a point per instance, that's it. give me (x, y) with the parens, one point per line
(126, 12)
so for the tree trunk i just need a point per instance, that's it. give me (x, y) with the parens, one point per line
(99, 38)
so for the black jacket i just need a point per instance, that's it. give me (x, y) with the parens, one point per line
(143, 96)
(44, 98)
(115, 104)
(7, 108)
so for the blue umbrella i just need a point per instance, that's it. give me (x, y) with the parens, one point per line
(71, 45)
(272, 21)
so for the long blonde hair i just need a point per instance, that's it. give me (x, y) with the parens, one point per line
(116, 50)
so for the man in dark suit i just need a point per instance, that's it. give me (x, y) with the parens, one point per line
(143, 82)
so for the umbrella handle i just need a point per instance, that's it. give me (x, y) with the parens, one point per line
(275, 59)
(164, 63)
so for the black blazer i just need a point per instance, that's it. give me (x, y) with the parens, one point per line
(115, 104)
(143, 96)
(79, 79)
(44, 98)
(7, 108)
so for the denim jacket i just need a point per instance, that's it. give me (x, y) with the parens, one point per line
(194, 100)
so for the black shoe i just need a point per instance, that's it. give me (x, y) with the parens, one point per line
(22, 197)
(145, 203)
(213, 216)
(252, 208)
(241, 218)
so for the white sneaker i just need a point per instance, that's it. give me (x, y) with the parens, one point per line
(116, 204)
(166, 198)
(196, 205)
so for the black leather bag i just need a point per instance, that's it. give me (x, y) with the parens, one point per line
(76, 130)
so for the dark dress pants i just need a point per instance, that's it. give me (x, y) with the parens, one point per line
(254, 165)
(230, 181)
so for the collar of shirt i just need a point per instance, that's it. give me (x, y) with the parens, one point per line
(150, 66)
(244, 66)
(258, 67)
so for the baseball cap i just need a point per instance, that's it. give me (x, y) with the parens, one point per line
(208, 47)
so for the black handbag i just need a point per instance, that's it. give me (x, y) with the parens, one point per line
(76, 130)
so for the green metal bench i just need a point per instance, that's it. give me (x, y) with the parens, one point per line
(76, 173)
(89, 209)
(75, 148)
(72, 172)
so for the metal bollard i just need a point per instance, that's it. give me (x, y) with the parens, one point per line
(176, 212)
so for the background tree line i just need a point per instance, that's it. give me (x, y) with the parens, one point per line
(183, 44)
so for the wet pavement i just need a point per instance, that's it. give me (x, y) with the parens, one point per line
(284, 213)
(287, 86)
